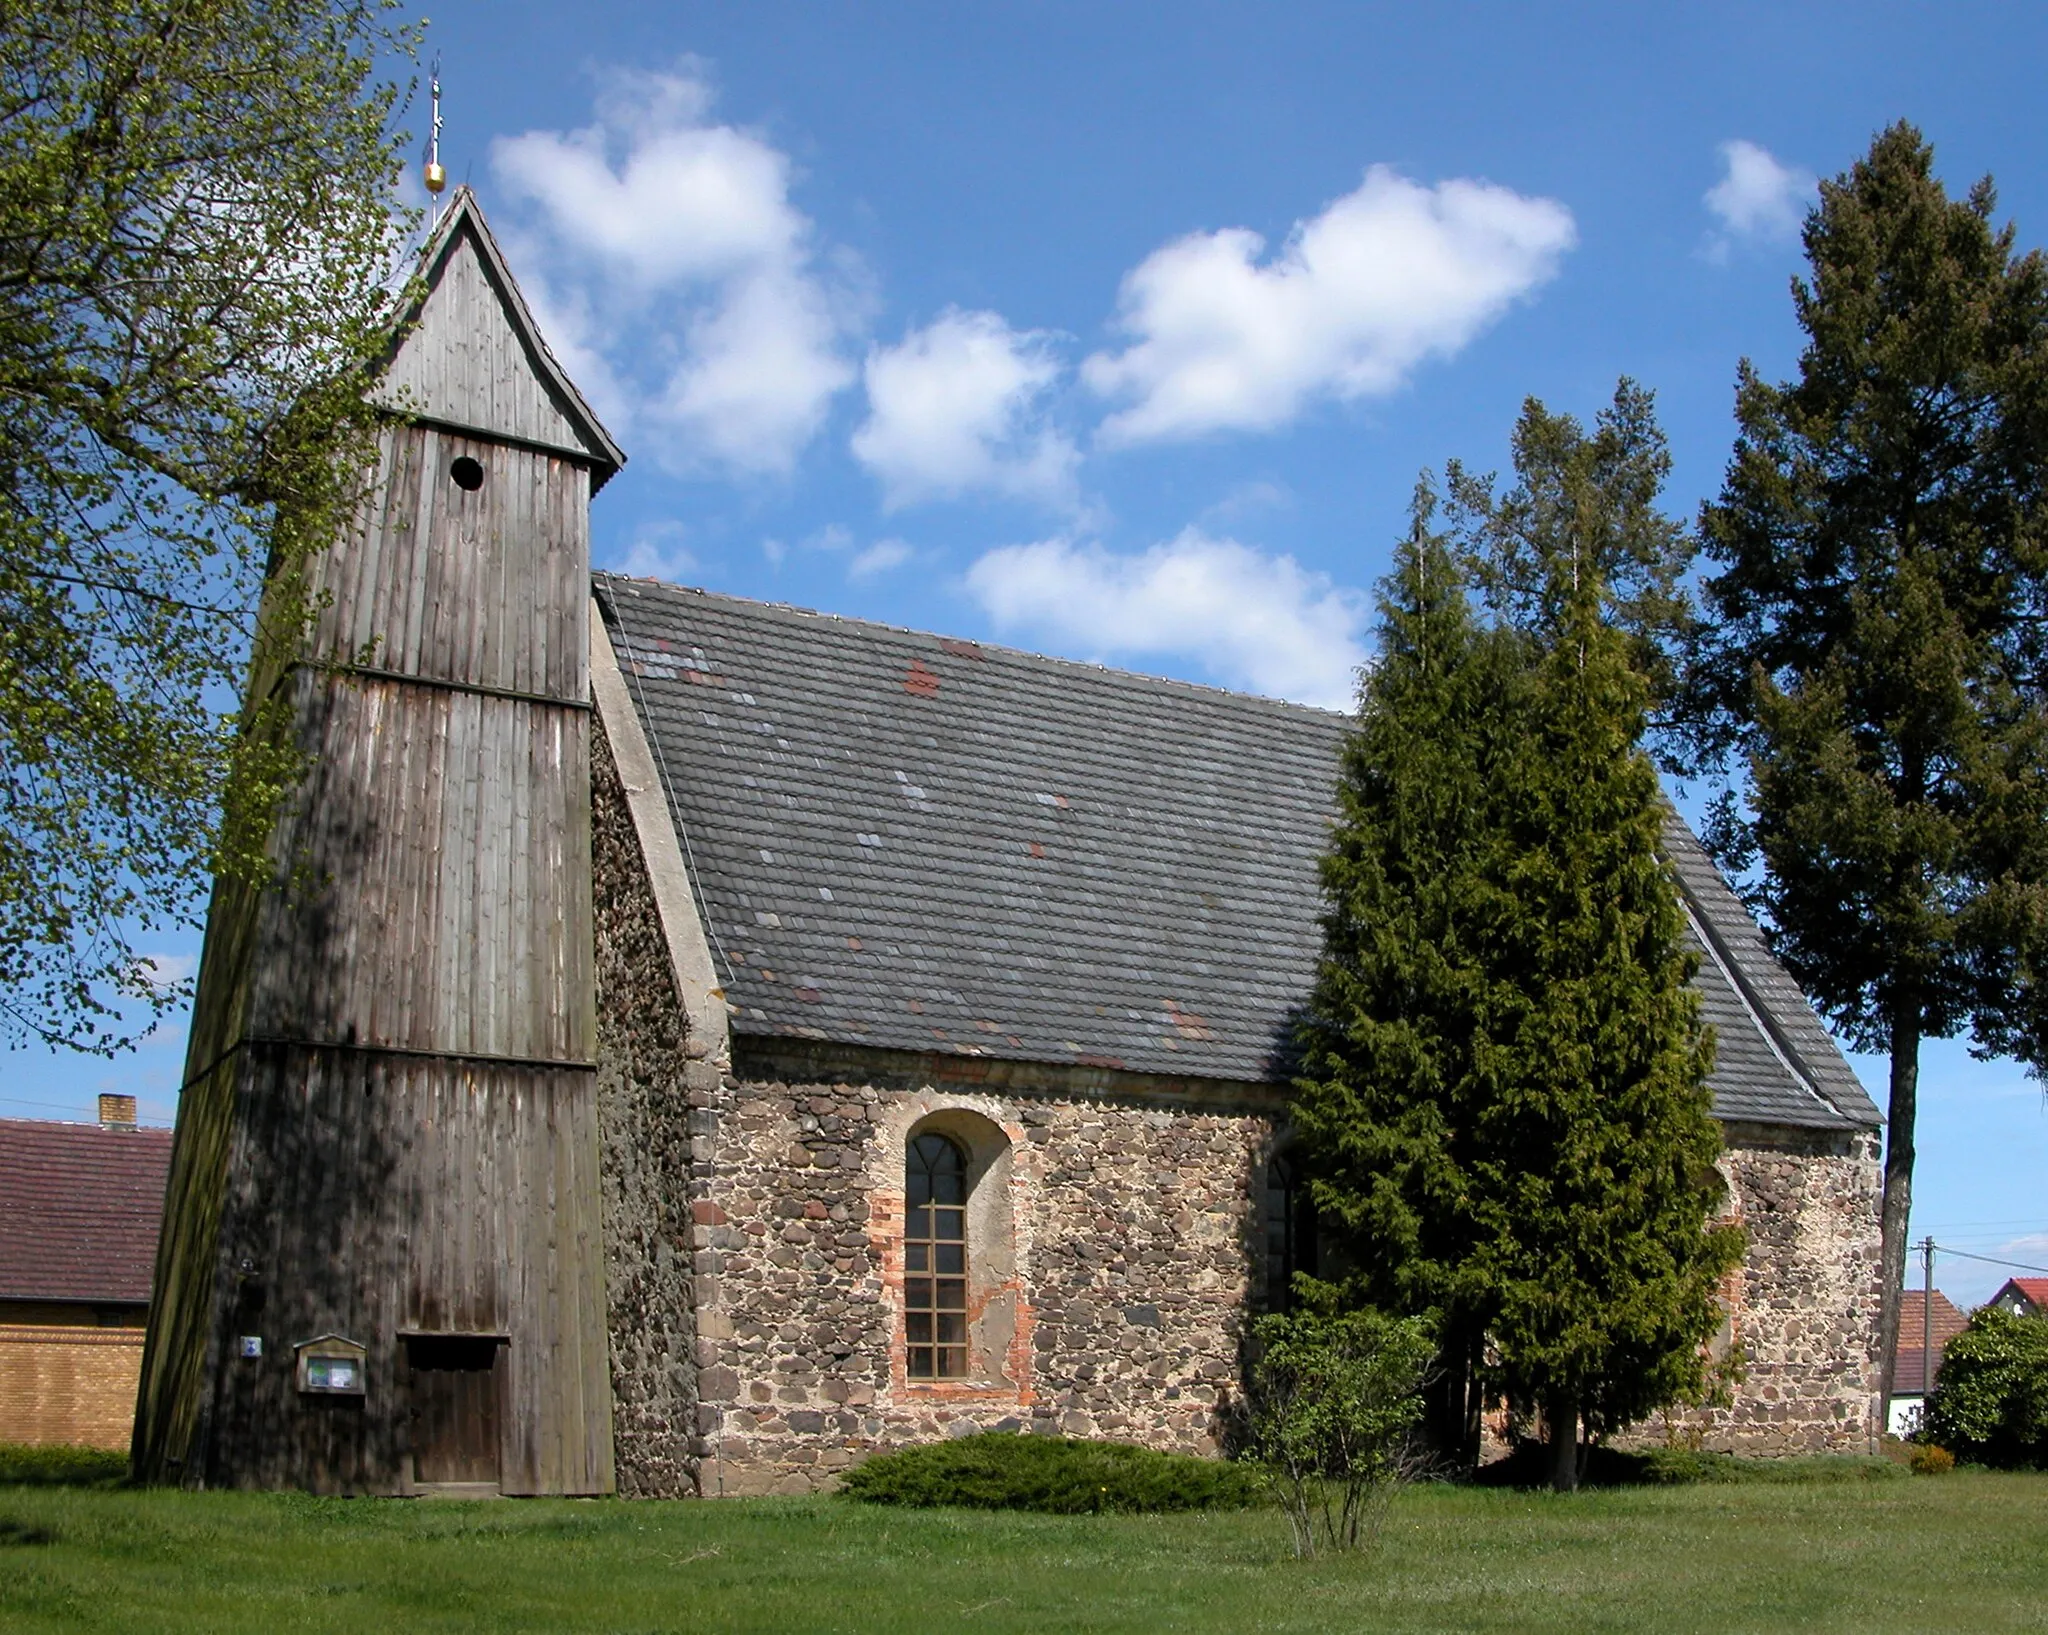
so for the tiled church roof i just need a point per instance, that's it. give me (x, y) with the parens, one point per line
(923, 844)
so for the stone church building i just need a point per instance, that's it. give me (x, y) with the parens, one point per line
(722, 1040)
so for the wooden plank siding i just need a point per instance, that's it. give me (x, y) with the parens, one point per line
(466, 363)
(446, 585)
(388, 1195)
(443, 902)
(389, 1121)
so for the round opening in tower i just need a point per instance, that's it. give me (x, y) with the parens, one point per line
(468, 473)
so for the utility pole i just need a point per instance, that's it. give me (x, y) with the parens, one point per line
(1926, 1323)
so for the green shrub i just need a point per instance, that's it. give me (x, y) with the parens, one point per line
(1334, 1401)
(1058, 1475)
(1990, 1400)
(39, 1465)
(1928, 1460)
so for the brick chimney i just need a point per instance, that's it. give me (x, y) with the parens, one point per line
(117, 1112)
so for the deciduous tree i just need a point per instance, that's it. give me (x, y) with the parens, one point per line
(196, 231)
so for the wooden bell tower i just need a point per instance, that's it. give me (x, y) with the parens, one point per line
(381, 1267)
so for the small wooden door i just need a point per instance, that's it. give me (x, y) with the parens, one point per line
(455, 1389)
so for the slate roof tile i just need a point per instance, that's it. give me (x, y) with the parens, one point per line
(1179, 828)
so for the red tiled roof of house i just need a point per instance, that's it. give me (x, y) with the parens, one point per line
(1909, 1376)
(2034, 1288)
(82, 1205)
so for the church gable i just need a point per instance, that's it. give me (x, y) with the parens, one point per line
(470, 358)
(919, 844)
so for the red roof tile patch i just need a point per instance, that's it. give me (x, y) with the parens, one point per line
(82, 1209)
(1909, 1372)
(1948, 1320)
(1909, 1378)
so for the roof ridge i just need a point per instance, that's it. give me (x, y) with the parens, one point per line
(464, 212)
(1089, 666)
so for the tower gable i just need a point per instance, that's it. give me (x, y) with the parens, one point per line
(467, 356)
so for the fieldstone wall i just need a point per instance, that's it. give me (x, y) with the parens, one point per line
(1109, 1240)
(645, 1070)
(753, 1239)
(1803, 1308)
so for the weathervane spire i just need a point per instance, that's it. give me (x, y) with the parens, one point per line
(436, 177)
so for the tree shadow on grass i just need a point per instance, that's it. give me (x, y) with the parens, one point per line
(57, 1465)
(1528, 1466)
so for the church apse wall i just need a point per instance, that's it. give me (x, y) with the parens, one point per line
(1802, 1308)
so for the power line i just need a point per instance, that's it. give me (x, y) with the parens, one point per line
(53, 1106)
(1990, 1260)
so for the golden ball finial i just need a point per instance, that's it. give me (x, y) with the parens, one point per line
(437, 178)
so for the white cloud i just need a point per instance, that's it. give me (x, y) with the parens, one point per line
(957, 407)
(1385, 277)
(658, 552)
(1255, 621)
(158, 971)
(878, 558)
(1758, 197)
(678, 278)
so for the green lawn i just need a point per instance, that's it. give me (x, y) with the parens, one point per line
(1963, 1552)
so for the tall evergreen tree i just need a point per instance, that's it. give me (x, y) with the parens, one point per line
(1883, 542)
(1503, 1085)
(1641, 554)
(1598, 1181)
(1384, 1103)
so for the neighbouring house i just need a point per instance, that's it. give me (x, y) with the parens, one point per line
(1916, 1366)
(2023, 1297)
(79, 1209)
(711, 1041)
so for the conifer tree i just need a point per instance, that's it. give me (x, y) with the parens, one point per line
(1503, 1081)
(1883, 539)
(1597, 1182)
(1383, 1105)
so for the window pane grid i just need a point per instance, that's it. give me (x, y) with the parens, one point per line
(935, 1260)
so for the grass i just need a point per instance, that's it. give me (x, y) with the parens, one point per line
(1965, 1551)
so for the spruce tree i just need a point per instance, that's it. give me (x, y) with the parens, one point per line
(1883, 539)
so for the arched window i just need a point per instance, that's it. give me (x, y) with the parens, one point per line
(1290, 1230)
(935, 1259)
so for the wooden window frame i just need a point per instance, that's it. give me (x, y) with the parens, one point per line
(936, 1260)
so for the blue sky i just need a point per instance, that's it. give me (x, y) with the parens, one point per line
(1122, 331)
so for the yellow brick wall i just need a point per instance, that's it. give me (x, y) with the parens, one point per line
(68, 1384)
